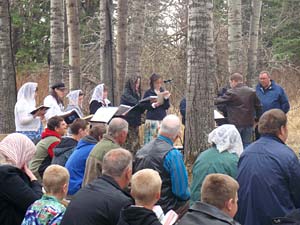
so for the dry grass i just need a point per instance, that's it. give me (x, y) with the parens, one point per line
(294, 127)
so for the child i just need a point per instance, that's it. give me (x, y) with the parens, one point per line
(48, 210)
(145, 189)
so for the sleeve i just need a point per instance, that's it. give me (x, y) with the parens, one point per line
(284, 102)
(294, 181)
(175, 166)
(94, 106)
(24, 116)
(258, 107)
(146, 105)
(224, 99)
(128, 98)
(166, 104)
(93, 169)
(54, 109)
(20, 193)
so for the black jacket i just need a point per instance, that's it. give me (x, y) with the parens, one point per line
(63, 150)
(100, 202)
(202, 213)
(17, 193)
(134, 215)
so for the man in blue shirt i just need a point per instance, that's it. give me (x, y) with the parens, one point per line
(160, 155)
(270, 94)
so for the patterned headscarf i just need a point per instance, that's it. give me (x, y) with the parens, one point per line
(26, 93)
(18, 149)
(98, 95)
(73, 97)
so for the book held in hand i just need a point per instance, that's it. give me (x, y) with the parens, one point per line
(70, 116)
(41, 107)
(105, 114)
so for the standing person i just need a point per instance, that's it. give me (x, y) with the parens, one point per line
(268, 174)
(243, 107)
(270, 94)
(131, 96)
(55, 100)
(26, 123)
(75, 101)
(155, 110)
(19, 188)
(99, 98)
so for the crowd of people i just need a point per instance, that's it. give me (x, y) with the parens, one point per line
(99, 173)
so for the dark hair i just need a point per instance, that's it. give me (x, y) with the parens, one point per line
(271, 122)
(81, 93)
(54, 122)
(58, 99)
(97, 131)
(154, 77)
(77, 125)
(236, 77)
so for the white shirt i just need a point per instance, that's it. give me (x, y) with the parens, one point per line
(55, 108)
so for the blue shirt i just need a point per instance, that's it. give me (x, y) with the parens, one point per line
(174, 165)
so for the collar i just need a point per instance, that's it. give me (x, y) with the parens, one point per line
(239, 85)
(112, 182)
(50, 197)
(166, 139)
(270, 87)
(49, 132)
(273, 137)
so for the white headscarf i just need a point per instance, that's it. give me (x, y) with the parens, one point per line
(27, 93)
(98, 95)
(226, 138)
(73, 97)
(18, 149)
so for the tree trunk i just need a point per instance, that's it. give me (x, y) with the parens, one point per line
(135, 38)
(106, 48)
(235, 54)
(253, 42)
(8, 74)
(56, 41)
(74, 44)
(200, 74)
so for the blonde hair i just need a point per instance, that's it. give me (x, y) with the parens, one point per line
(55, 177)
(145, 185)
(217, 189)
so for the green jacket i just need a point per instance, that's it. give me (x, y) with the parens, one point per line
(93, 166)
(208, 162)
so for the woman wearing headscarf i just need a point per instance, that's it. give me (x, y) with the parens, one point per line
(19, 188)
(55, 100)
(131, 96)
(222, 157)
(156, 111)
(75, 101)
(99, 98)
(26, 123)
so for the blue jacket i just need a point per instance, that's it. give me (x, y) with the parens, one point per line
(273, 97)
(269, 179)
(76, 163)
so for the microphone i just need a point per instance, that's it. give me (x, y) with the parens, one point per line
(168, 81)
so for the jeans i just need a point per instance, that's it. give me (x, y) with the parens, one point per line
(246, 135)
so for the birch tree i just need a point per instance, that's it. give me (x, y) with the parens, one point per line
(56, 41)
(8, 74)
(74, 43)
(253, 42)
(200, 73)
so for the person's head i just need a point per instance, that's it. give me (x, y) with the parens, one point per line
(57, 123)
(99, 93)
(56, 181)
(118, 129)
(155, 81)
(97, 131)
(75, 98)
(146, 187)
(79, 127)
(226, 138)
(264, 79)
(28, 92)
(117, 163)
(133, 84)
(220, 190)
(235, 79)
(58, 91)
(274, 122)
(16, 149)
(170, 127)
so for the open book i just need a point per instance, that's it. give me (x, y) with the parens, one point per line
(41, 107)
(155, 98)
(72, 115)
(105, 114)
(169, 219)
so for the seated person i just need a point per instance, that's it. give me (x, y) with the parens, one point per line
(218, 202)
(145, 189)
(222, 157)
(51, 137)
(76, 162)
(65, 148)
(49, 209)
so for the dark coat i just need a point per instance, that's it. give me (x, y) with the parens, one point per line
(100, 202)
(135, 215)
(242, 105)
(202, 213)
(269, 179)
(273, 97)
(63, 150)
(182, 108)
(155, 113)
(132, 98)
(17, 193)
